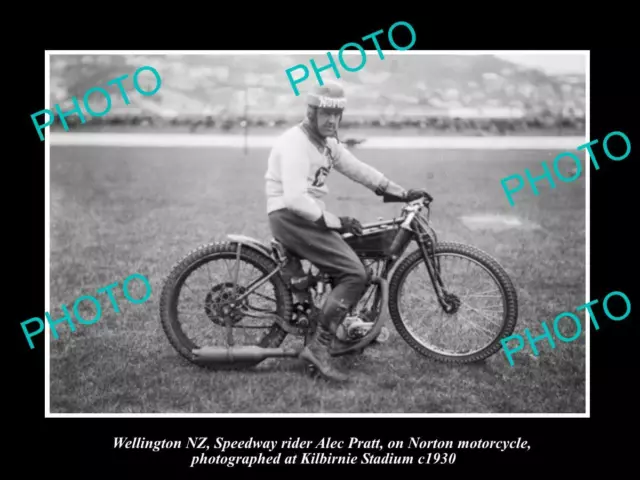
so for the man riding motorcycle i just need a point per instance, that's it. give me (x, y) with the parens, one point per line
(299, 163)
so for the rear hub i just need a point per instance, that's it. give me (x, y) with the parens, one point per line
(219, 303)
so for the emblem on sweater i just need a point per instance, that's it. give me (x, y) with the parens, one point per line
(320, 177)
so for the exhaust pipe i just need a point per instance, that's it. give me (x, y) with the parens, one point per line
(234, 354)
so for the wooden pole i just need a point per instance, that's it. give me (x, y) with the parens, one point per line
(246, 120)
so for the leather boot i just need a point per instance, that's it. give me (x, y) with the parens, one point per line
(317, 353)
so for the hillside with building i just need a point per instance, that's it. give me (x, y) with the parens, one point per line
(476, 94)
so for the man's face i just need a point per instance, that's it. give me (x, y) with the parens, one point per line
(328, 120)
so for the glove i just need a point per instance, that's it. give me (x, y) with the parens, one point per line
(392, 192)
(415, 194)
(350, 225)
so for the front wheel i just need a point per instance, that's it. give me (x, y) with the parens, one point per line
(480, 298)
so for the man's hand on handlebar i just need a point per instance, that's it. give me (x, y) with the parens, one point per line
(415, 194)
(350, 225)
(409, 196)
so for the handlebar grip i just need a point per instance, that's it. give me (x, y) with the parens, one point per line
(391, 199)
(394, 199)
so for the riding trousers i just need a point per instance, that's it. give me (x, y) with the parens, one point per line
(330, 254)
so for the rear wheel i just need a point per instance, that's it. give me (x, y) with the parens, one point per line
(487, 303)
(211, 295)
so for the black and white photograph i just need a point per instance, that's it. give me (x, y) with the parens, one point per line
(361, 248)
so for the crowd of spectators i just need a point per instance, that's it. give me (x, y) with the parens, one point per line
(228, 124)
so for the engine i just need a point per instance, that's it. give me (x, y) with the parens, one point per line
(353, 328)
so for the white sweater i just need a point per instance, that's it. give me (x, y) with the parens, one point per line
(297, 171)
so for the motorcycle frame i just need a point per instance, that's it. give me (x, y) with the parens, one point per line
(420, 231)
(411, 220)
(423, 234)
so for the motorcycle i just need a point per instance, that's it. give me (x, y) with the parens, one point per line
(380, 247)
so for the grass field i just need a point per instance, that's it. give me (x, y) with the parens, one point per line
(116, 211)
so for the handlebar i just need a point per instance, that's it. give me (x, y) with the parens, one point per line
(409, 210)
(393, 199)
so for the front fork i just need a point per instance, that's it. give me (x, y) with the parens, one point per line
(433, 267)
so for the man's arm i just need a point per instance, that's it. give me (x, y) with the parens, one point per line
(294, 168)
(358, 171)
